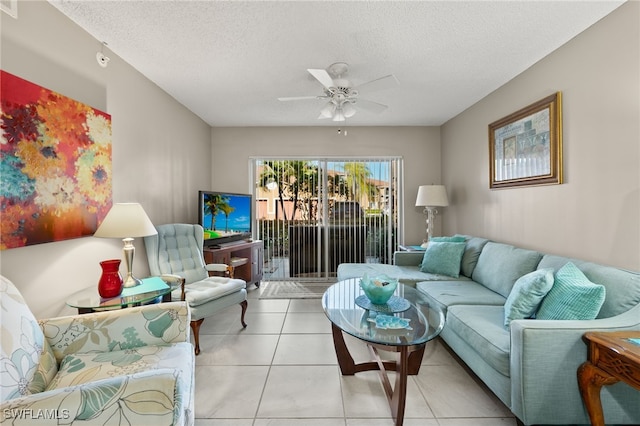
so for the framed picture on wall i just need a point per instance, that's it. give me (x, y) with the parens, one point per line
(525, 148)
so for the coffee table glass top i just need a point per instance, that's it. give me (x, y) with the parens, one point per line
(147, 292)
(423, 321)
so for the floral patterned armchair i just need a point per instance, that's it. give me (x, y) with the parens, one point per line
(132, 366)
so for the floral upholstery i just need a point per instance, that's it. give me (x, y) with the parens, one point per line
(132, 366)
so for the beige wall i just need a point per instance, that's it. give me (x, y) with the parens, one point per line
(418, 146)
(595, 214)
(162, 153)
(160, 149)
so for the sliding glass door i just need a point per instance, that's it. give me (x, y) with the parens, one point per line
(315, 213)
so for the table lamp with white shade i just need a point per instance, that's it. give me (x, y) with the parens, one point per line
(430, 197)
(126, 221)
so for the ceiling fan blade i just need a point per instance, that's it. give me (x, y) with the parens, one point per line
(300, 98)
(386, 82)
(323, 77)
(370, 106)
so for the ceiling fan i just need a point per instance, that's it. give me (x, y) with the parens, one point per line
(341, 95)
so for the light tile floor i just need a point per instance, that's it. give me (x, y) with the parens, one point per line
(282, 371)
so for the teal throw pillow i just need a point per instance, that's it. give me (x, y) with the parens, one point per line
(527, 294)
(572, 297)
(443, 258)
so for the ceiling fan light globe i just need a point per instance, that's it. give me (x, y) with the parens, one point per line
(339, 115)
(348, 110)
(341, 82)
(328, 110)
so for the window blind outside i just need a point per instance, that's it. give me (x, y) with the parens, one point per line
(315, 213)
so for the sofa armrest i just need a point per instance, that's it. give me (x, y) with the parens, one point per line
(545, 356)
(157, 324)
(152, 397)
(407, 258)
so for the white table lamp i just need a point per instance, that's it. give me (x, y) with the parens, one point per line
(126, 221)
(430, 197)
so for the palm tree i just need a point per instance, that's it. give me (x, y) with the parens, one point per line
(296, 181)
(227, 210)
(210, 208)
(358, 181)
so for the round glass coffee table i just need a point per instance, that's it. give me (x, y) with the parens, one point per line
(404, 325)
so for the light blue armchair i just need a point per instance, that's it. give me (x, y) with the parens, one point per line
(177, 250)
(131, 367)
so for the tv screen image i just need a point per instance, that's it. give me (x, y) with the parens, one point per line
(225, 216)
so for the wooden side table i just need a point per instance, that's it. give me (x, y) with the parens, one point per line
(612, 357)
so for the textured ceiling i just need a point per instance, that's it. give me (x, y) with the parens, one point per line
(229, 61)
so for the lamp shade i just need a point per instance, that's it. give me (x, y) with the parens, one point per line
(432, 196)
(126, 220)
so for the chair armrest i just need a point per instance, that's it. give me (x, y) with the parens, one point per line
(408, 258)
(173, 279)
(150, 397)
(217, 267)
(157, 324)
(545, 355)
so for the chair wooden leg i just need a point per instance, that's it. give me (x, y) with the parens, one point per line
(195, 327)
(244, 305)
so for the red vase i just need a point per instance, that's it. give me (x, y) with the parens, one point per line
(110, 283)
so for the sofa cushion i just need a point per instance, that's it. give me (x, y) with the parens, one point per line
(500, 265)
(413, 275)
(209, 289)
(481, 327)
(79, 368)
(453, 239)
(572, 297)
(449, 293)
(405, 274)
(443, 257)
(358, 270)
(471, 254)
(622, 287)
(527, 294)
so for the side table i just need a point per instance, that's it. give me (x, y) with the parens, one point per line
(612, 357)
(151, 290)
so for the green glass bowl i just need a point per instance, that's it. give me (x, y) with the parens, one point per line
(378, 289)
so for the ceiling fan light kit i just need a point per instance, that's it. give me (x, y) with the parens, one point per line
(341, 94)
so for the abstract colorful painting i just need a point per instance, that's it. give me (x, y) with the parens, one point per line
(55, 165)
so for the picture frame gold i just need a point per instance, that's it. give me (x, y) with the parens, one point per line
(525, 148)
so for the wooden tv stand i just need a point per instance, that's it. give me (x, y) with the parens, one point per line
(247, 257)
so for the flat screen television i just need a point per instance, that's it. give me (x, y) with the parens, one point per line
(225, 217)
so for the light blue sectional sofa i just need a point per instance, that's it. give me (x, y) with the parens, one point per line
(531, 364)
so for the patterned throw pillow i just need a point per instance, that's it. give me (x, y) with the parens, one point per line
(27, 362)
(443, 258)
(572, 297)
(527, 294)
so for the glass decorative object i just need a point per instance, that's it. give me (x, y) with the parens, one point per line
(378, 289)
(110, 283)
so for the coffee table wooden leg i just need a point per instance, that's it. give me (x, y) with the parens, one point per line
(590, 381)
(414, 360)
(345, 360)
(399, 398)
